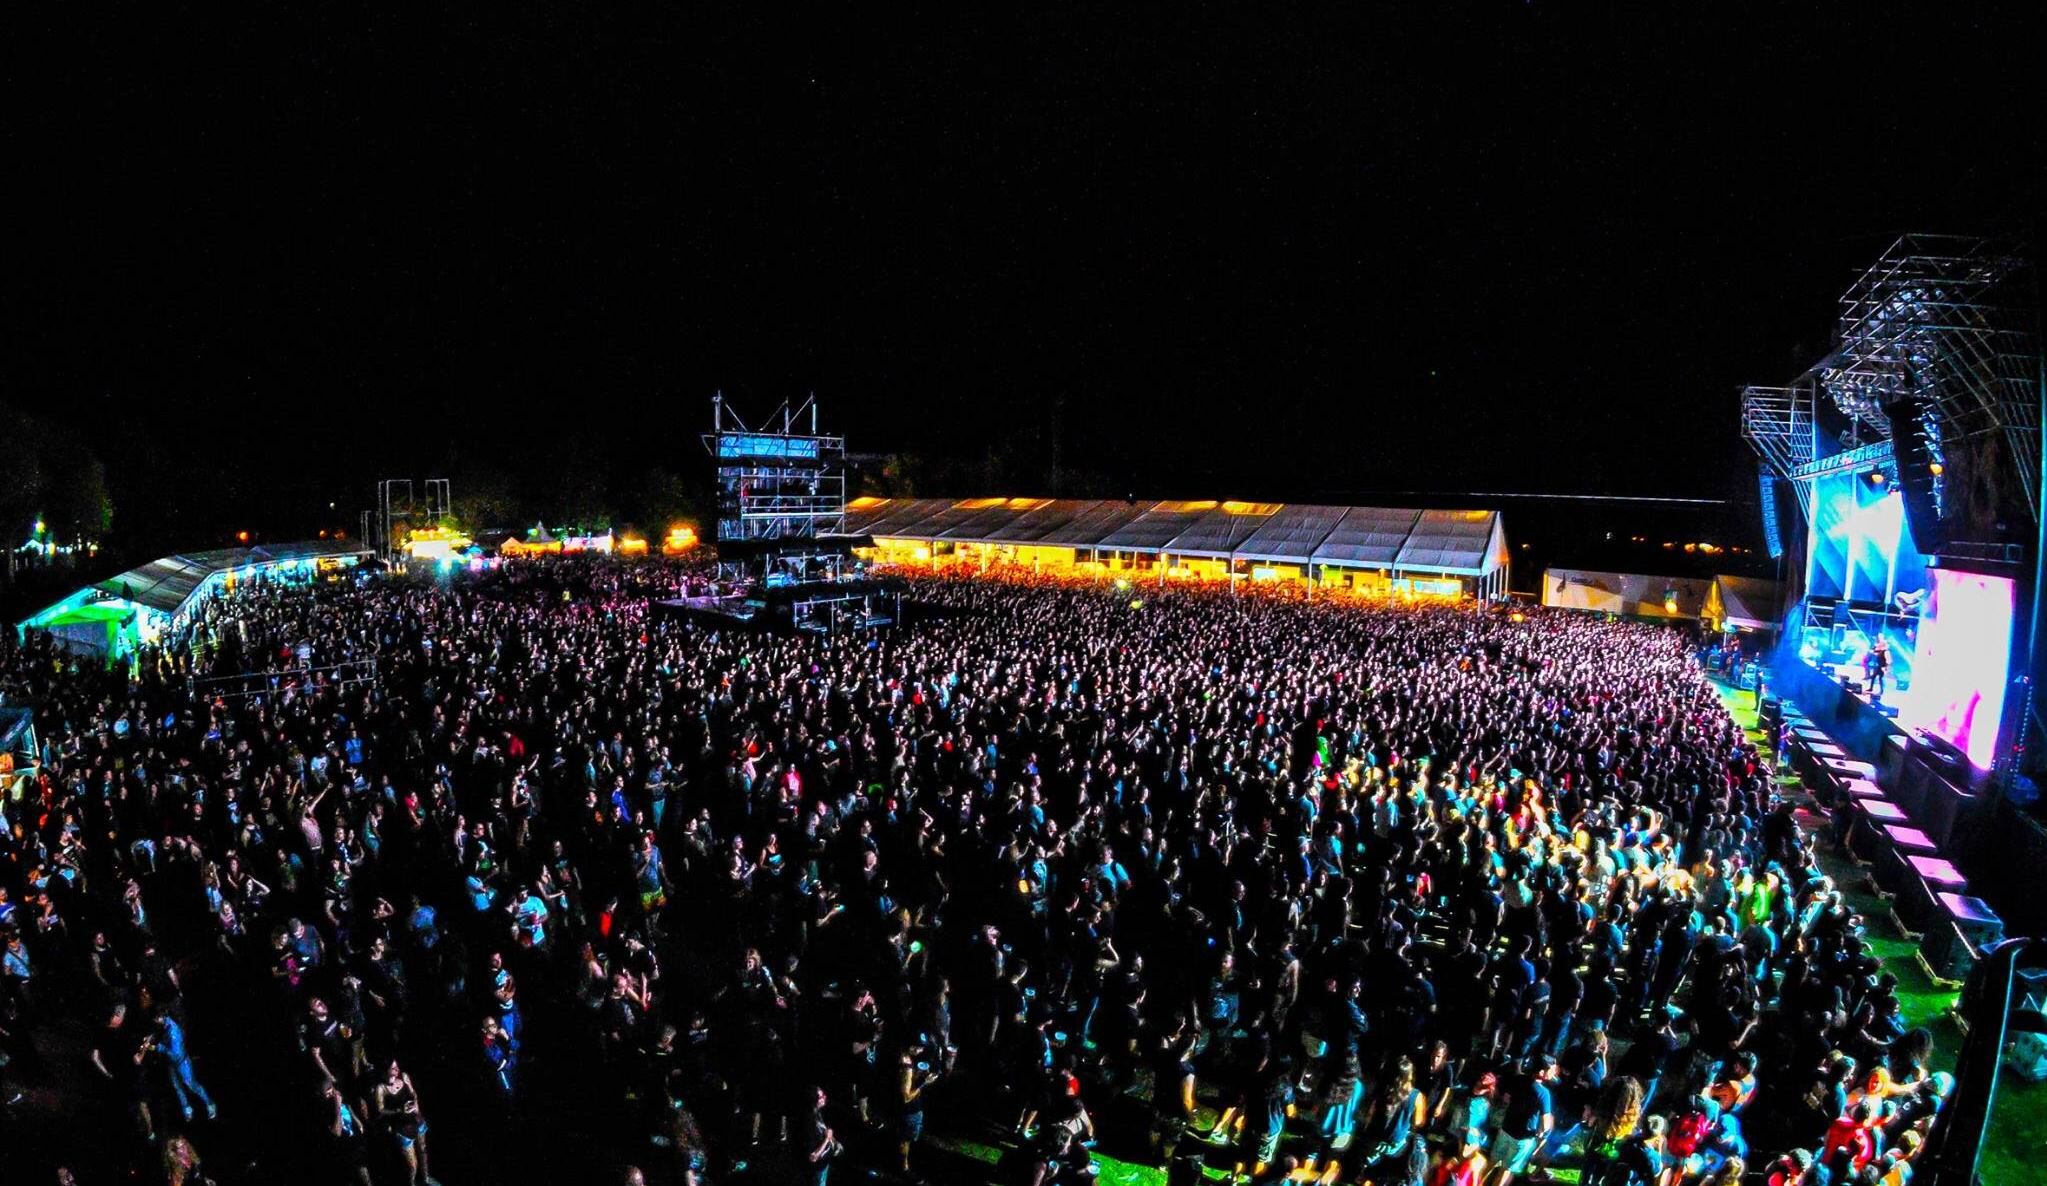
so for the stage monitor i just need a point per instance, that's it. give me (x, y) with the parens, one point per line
(1962, 667)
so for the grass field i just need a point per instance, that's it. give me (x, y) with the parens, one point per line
(2018, 1123)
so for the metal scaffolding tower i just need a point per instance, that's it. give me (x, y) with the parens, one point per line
(782, 481)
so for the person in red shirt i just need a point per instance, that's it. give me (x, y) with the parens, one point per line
(1850, 1143)
(1467, 1168)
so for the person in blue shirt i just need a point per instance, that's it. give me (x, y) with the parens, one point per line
(423, 924)
(185, 1085)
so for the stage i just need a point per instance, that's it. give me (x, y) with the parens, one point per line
(1900, 485)
(810, 607)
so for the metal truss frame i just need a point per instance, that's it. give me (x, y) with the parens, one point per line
(1939, 322)
(777, 481)
(1778, 424)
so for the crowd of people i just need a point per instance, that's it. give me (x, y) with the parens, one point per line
(487, 869)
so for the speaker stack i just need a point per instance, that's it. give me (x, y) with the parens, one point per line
(1919, 474)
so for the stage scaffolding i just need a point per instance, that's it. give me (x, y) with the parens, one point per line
(1940, 325)
(1938, 330)
(777, 482)
(1778, 423)
(1933, 390)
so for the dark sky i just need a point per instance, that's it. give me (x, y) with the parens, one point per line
(1263, 254)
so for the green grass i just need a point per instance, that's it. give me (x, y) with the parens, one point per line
(2017, 1139)
(1109, 1171)
(2018, 1134)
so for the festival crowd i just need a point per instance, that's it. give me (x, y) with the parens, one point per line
(476, 868)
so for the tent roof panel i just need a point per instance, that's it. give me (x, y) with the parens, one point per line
(1157, 526)
(1218, 532)
(1034, 525)
(1367, 536)
(902, 517)
(1458, 542)
(1092, 526)
(986, 523)
(949, 515)
(868, 509)
(1750, 601)
(1465, 543)
(1291, 534)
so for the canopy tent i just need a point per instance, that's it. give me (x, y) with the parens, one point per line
(990, 518)
(1631, 594)
(1369, 537)
(1750, 603)
(1448, 543)
(1454, 542)
(1033, 524)
(96, 628)
(1092, 527)
(1290, 534)
(514, 546)
(894, 517)
(1747, 603)
(1216, 533)
(169, 583)
(1152, 529)
(114, 616)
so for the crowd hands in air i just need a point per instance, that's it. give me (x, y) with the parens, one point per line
(1328, 890)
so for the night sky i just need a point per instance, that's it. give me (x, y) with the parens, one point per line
(266, 258)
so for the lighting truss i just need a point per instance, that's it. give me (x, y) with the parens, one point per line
(1939, 323)
(1777, 422)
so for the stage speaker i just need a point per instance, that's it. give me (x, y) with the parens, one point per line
(1773, 531)
(1919, 479)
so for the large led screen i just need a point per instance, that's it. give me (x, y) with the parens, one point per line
(1860, 548)
(1959, 674)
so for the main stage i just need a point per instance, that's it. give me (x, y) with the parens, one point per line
(1900, 486)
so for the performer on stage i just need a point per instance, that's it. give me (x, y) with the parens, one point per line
(1878, 667)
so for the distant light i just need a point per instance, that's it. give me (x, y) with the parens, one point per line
(1517, 616)
(243, 536)
(40, 526)
(1936, 469)
(1876, 477)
